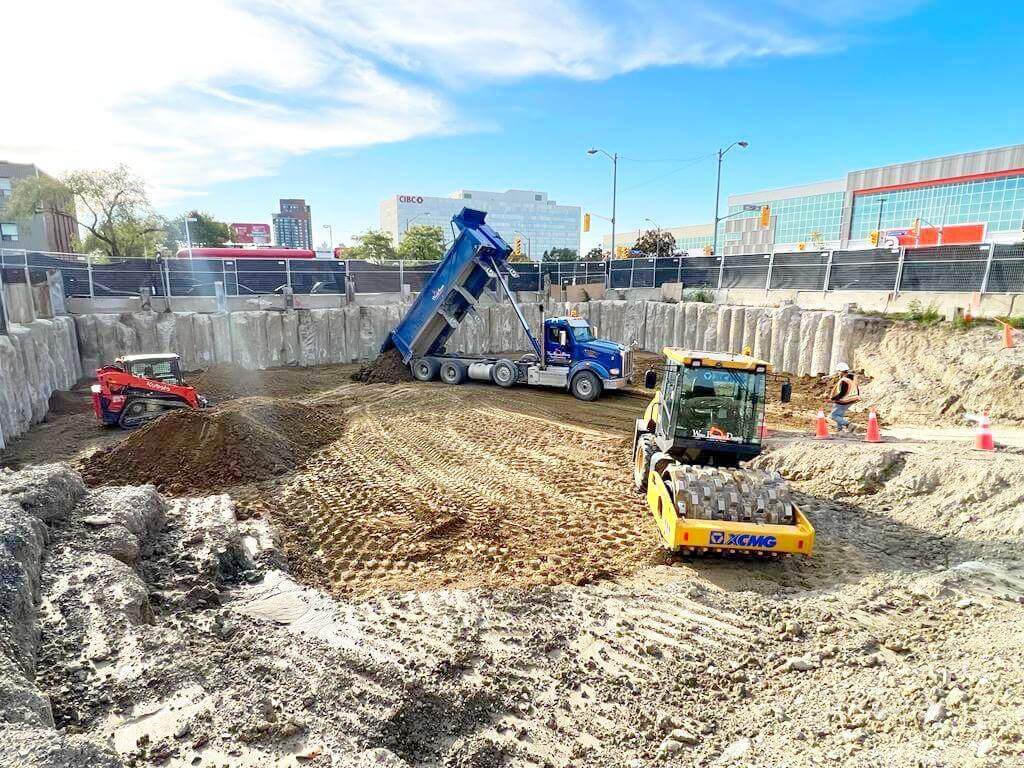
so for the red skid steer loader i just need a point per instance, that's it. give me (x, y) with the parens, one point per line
(139, 388)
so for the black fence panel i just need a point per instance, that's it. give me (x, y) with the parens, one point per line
(870, 270)
(196, 277)
(799, 271)
(317, 276)
(1007, 272)
(745, 271)
(700, 270)
(944, 268)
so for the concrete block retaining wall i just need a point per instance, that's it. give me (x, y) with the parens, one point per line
(39, 357)
(36, 358)
(796, 341)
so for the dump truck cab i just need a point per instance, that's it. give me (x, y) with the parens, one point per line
(706, 420)
(571, 342)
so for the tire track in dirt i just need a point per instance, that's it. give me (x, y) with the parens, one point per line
(443, 490)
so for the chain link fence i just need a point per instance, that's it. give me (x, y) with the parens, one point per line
(954, 268)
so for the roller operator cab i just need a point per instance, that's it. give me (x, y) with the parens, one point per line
(139, 388)
(704, 421)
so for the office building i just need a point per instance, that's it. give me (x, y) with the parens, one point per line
(49, 231)
(542, 223)
(293, 227)
(966, 198)
(250, 234)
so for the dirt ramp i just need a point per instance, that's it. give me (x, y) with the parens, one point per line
(188, 451)
(228, 381)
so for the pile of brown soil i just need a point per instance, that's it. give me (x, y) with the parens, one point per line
(227, 381)
(190, 451)
(64, 403)
(388, 368)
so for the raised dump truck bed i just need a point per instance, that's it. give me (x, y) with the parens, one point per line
(567, 354)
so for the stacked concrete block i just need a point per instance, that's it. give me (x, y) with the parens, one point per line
(290, 338)
(763, 336)
(736, 322)
(313, 337)
(723, 329)
(223, 342)
(202, 334)
(185, 339)
(750, 317)
(821, 357)
(275, 340)
(337, 336)
(613, 313)
(791, 350)
(808, 328)
(781, 318)
(351, 333)
(843, 339)
(144, 326)
(634, 324)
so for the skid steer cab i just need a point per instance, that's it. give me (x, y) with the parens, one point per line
(140, 388)
(688, 447)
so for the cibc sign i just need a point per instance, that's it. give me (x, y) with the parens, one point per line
(410, 199)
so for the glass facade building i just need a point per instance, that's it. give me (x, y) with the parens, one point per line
(996, 202)
(797, 218)
(542, 223)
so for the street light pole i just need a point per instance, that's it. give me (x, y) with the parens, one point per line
(881, 205)
(614, 157)
(718, 189)
(657, 244)
(188, 237)
(330, 237)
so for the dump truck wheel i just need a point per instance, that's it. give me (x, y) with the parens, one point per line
(504, 373)
(453, 372)
(642, 454)
(425, 368)
(585, 386)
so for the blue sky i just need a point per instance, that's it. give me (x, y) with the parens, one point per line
(345, 104)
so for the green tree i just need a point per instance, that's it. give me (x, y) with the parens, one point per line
(594, 254)
(110, 206)
(655, 242)
(560, 254)
(205, 231)
(374, 245)
(422, 243)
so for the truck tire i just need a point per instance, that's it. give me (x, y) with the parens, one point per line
(425, 368)
(453, 372)
(505, 373)
(585, 386)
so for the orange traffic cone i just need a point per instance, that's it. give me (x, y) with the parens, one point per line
(821, 427)
(983, 440)
(874, 434)
(1008, 342)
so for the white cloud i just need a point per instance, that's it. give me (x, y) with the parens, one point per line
(195, 92)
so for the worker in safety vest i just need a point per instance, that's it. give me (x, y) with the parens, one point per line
(845, 393)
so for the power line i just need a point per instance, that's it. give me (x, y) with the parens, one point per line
(690, 164)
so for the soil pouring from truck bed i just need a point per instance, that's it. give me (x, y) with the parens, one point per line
(189, 451)
(388, 368)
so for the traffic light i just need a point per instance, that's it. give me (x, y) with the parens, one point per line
(622, 252)
(517, 246)
(586, 222)
(873, 237)
(766, 216)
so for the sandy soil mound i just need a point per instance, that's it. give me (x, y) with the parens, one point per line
(191, 451)
(936, 375)
(388, 368)
(937, 487)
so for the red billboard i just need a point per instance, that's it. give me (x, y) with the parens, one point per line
(256, 234)
(921, 236)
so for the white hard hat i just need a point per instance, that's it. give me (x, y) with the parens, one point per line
(843, 367)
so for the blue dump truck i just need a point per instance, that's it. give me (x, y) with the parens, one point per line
(570, 357)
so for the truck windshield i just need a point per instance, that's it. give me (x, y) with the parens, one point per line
(719, 404)
(582, 333)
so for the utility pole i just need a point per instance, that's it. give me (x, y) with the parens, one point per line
(614, 157)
